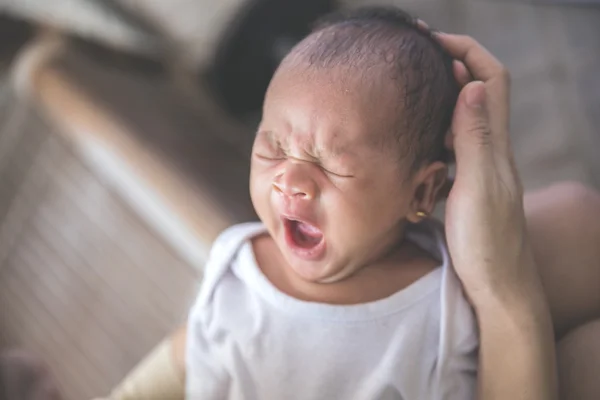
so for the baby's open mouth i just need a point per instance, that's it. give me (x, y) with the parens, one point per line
(302, 234)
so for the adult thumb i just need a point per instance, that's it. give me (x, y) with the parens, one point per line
(472, 138)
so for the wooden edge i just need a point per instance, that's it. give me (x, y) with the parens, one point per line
(188, 219)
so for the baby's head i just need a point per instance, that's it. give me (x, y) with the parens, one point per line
(351, 143)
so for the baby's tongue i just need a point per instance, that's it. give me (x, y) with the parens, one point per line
(307, 235)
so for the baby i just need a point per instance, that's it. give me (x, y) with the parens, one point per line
(345, 289)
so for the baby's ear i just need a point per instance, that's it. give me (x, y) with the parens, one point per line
(429, 182)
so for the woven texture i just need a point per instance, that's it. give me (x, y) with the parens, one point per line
(84, 283)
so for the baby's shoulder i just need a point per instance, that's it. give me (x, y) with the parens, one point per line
(231, 238)
(222, 255)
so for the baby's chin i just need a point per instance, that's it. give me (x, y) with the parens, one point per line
(323, 271)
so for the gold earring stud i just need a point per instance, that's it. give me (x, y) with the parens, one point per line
(422, 214)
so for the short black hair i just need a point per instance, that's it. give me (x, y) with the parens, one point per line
(423, 70)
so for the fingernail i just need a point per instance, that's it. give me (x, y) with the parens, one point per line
(475, 97)
(422, 24)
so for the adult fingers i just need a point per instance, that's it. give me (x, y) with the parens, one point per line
(480, 62)
(485, 67)
(462, 76)
(461, 73)
(471, 130)
(422, 25)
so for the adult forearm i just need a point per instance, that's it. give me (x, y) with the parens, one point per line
(517, 352)
(160, 375)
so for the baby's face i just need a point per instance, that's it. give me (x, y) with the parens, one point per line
(326, 182)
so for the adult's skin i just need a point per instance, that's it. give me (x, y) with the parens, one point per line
(564, 228)
(488, 239)
(485, 213)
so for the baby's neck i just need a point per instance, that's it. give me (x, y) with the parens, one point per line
(402, 266)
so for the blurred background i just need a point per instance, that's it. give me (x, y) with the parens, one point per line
(125, 133)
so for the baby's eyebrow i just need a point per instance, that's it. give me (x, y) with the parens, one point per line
(270, 137)
(334, 150)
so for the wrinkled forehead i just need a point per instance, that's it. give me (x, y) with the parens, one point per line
(353, 106)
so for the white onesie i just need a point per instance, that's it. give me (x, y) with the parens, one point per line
(248, 340)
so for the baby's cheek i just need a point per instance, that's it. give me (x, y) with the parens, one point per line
(259, 191)
(377, 201)
(369, 192)
(355, 208)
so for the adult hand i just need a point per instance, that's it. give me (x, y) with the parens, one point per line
(485, 221)
(487, 239)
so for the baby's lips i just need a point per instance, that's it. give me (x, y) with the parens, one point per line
(303, 217)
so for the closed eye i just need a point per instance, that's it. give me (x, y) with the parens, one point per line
(267, 147)
(335, 174)
(269, 158)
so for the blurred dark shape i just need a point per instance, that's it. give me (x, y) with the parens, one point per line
(112, 58)
(92, 19)
(125, 14)
(25, 377)
(14, 34)
(555, 2)
(258, 40)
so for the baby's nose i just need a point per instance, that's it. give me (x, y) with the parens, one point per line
(295, 182)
